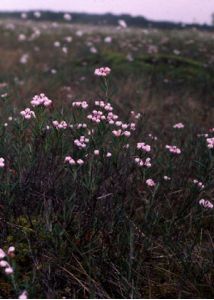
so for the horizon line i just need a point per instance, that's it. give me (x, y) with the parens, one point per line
(104, 13)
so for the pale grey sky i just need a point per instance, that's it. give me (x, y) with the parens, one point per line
(173, 10)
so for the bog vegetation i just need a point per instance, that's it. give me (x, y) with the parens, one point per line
(106, 161)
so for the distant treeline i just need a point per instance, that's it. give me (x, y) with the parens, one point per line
(104, 19)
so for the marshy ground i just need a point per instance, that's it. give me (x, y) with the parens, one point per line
(98, 228)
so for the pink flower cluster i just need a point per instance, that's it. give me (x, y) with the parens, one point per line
(143, 163)
(27, 114)
(81, 104)
(96, 116)
(71, 161)
(2, 162)
(81, 142)
(103, 72)
(143, 146)
(4, 264)
(198, 183)
(106, 106)
(135, 115)
(179, 126)
(206, 203)
(41, 100)
(150, 182)
(111, 118)
(210, 143)
(60, 125)
(173, 149)
(119, 133)
(119, 123)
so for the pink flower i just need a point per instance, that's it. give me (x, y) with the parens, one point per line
(150, 182)
(124, 126)
(135, 115)
(143, 146)
(3, 263)
(2, 254)
(206, 203)
(82, 104)
(23, 295)
(127, 133)
(8, 270)
(141, 163)
(96, 116)
(198, 183)
(55, 123)
(11, 251)
(2, 163)
(60, 125)
(210, 143)
(96, 152)
(70, 160)
(106, 106)
(166, 178)
(108, 154)
(81, 125)
(80, 162)
(179, 125)
(118, 123)
(104, 71)
(81, 142)
(147, 162)
(117, 133)
(111, 118)
(173, 149)
(133, 126)
(67, 158)
(41, 100)
(27, 114)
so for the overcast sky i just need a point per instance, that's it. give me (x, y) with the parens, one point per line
(175, 10)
